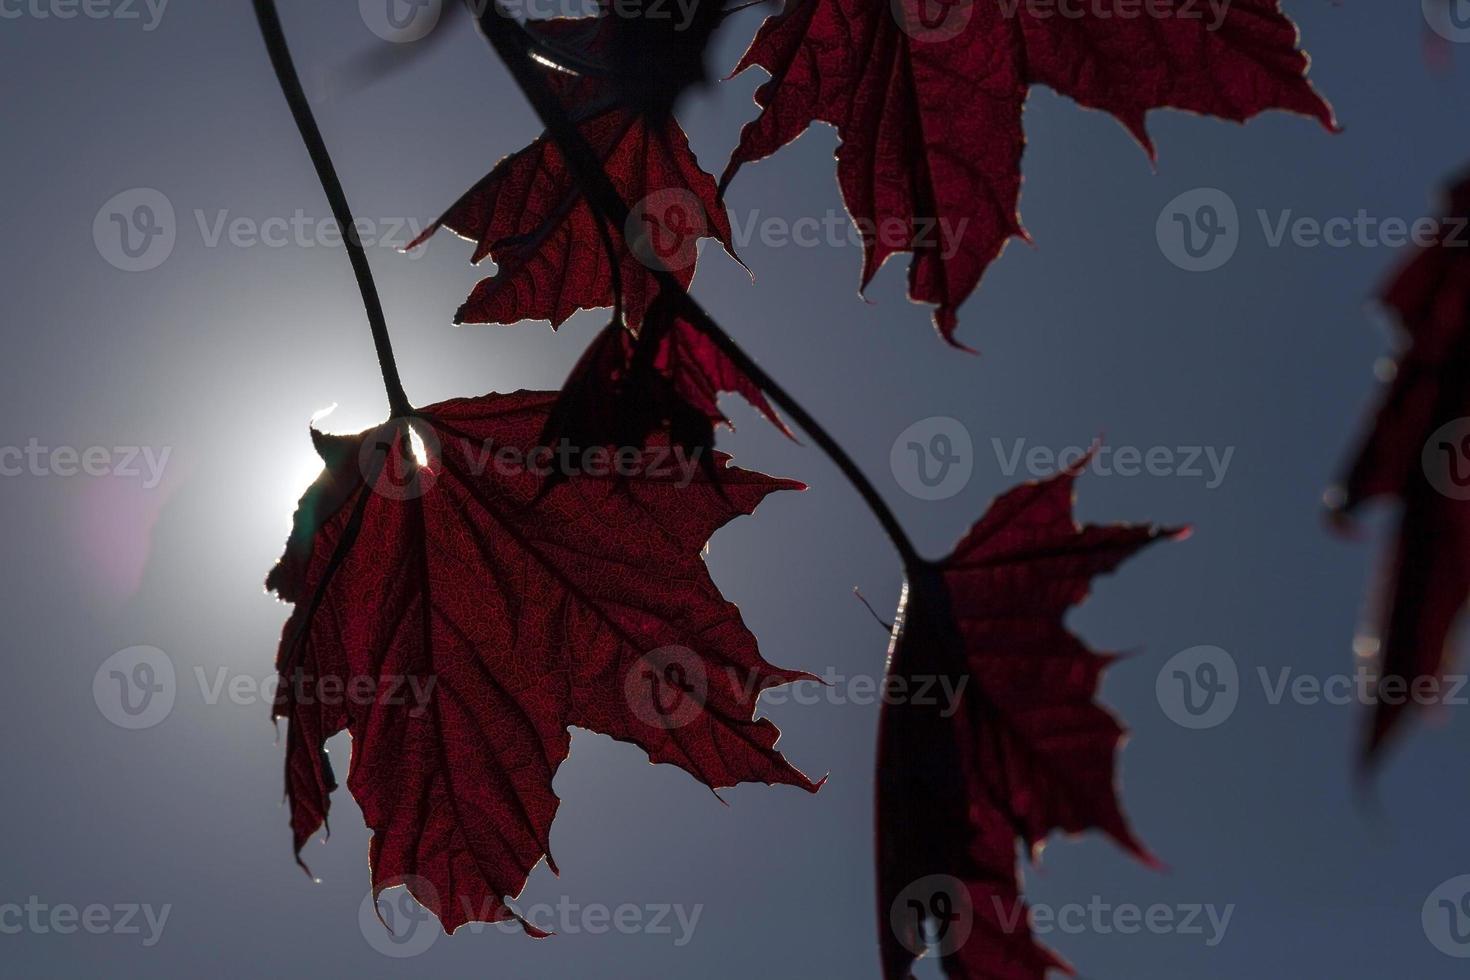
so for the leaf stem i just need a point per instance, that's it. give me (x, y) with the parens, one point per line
(514, 50)
(285, 69)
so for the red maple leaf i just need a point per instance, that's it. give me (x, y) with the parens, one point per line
(666, 380)
(1418, 450)
(1015, 749)
(470, 618)
(530, 217)
(926, 96)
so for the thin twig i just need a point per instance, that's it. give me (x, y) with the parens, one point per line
(887, 626)
(275, 42)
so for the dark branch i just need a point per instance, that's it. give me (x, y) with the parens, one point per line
(275, 42)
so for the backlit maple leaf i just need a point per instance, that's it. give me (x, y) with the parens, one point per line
(529, 216)
(470, 619)
(665, 380)
(1018, 751)
(1418, 450)
(927, 97)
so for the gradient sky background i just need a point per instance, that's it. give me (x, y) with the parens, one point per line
(223, 353)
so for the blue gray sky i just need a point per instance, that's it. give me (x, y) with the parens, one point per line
(214, 360)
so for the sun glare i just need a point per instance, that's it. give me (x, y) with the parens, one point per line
(416, 445)
(300, 468)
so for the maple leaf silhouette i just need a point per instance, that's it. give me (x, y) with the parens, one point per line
(530, 216)
(1418, 451)
(477, 618)
(1015, 750)
(657, 49)
(926, 96)
(667, 380)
